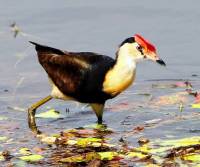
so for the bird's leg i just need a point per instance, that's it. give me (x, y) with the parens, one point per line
(98, 109)
(31, 113)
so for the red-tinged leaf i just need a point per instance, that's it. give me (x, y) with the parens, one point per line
(170, 99)
(183, 84)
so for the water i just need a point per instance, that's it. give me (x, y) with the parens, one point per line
(97, 26)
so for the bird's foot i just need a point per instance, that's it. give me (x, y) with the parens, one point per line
(31, 121)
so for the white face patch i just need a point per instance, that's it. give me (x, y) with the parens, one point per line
(138, 56)
(131, 50)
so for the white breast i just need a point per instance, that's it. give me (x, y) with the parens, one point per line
(120, 77)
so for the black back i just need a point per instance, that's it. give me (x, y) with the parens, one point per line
(76, 74)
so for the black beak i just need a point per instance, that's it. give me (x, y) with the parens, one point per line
(161, 62)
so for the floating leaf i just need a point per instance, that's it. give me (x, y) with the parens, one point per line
(71, 142)
(83, 142)
(25, 151)
(182, 142)
(108, 155)
(81, 157)
(31, 158)
(170, 99)
(192, 157)
(50, 114)
(196, 105)
(2, 158)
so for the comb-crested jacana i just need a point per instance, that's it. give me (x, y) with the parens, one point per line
(89, 77)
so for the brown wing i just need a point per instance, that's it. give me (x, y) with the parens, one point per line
(66, 70)
(79, 75)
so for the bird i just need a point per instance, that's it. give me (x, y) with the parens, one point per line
(89, 77)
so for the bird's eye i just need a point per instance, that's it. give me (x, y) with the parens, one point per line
(139, 48)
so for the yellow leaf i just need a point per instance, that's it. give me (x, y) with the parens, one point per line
(2, 158)
(192, 157)
(182, 142)
(31, 158)
(108, 155)
(50, 114)
(83, 142)
(196, 105)
(24, 151)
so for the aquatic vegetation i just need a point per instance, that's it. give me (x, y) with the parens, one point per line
(49, 114)
(100, 145)
(31, 158)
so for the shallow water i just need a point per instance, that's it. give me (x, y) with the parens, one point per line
(98, 26)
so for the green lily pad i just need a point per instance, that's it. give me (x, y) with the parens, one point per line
(50, 114)
(24, 151)
(109, 155)
(31, 158)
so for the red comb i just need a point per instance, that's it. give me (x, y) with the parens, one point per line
(144, 43)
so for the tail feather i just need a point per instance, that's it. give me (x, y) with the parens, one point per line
(46, 49)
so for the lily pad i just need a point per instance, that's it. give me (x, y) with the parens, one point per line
(108, 155)
(2, 158)
(83, 142)
(25, 151)
(182, 142)
(196, 105)
(31, 158)
(50, 114)
(192, 157)
(172, 99)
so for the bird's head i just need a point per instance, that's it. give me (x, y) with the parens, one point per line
(140, 49)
